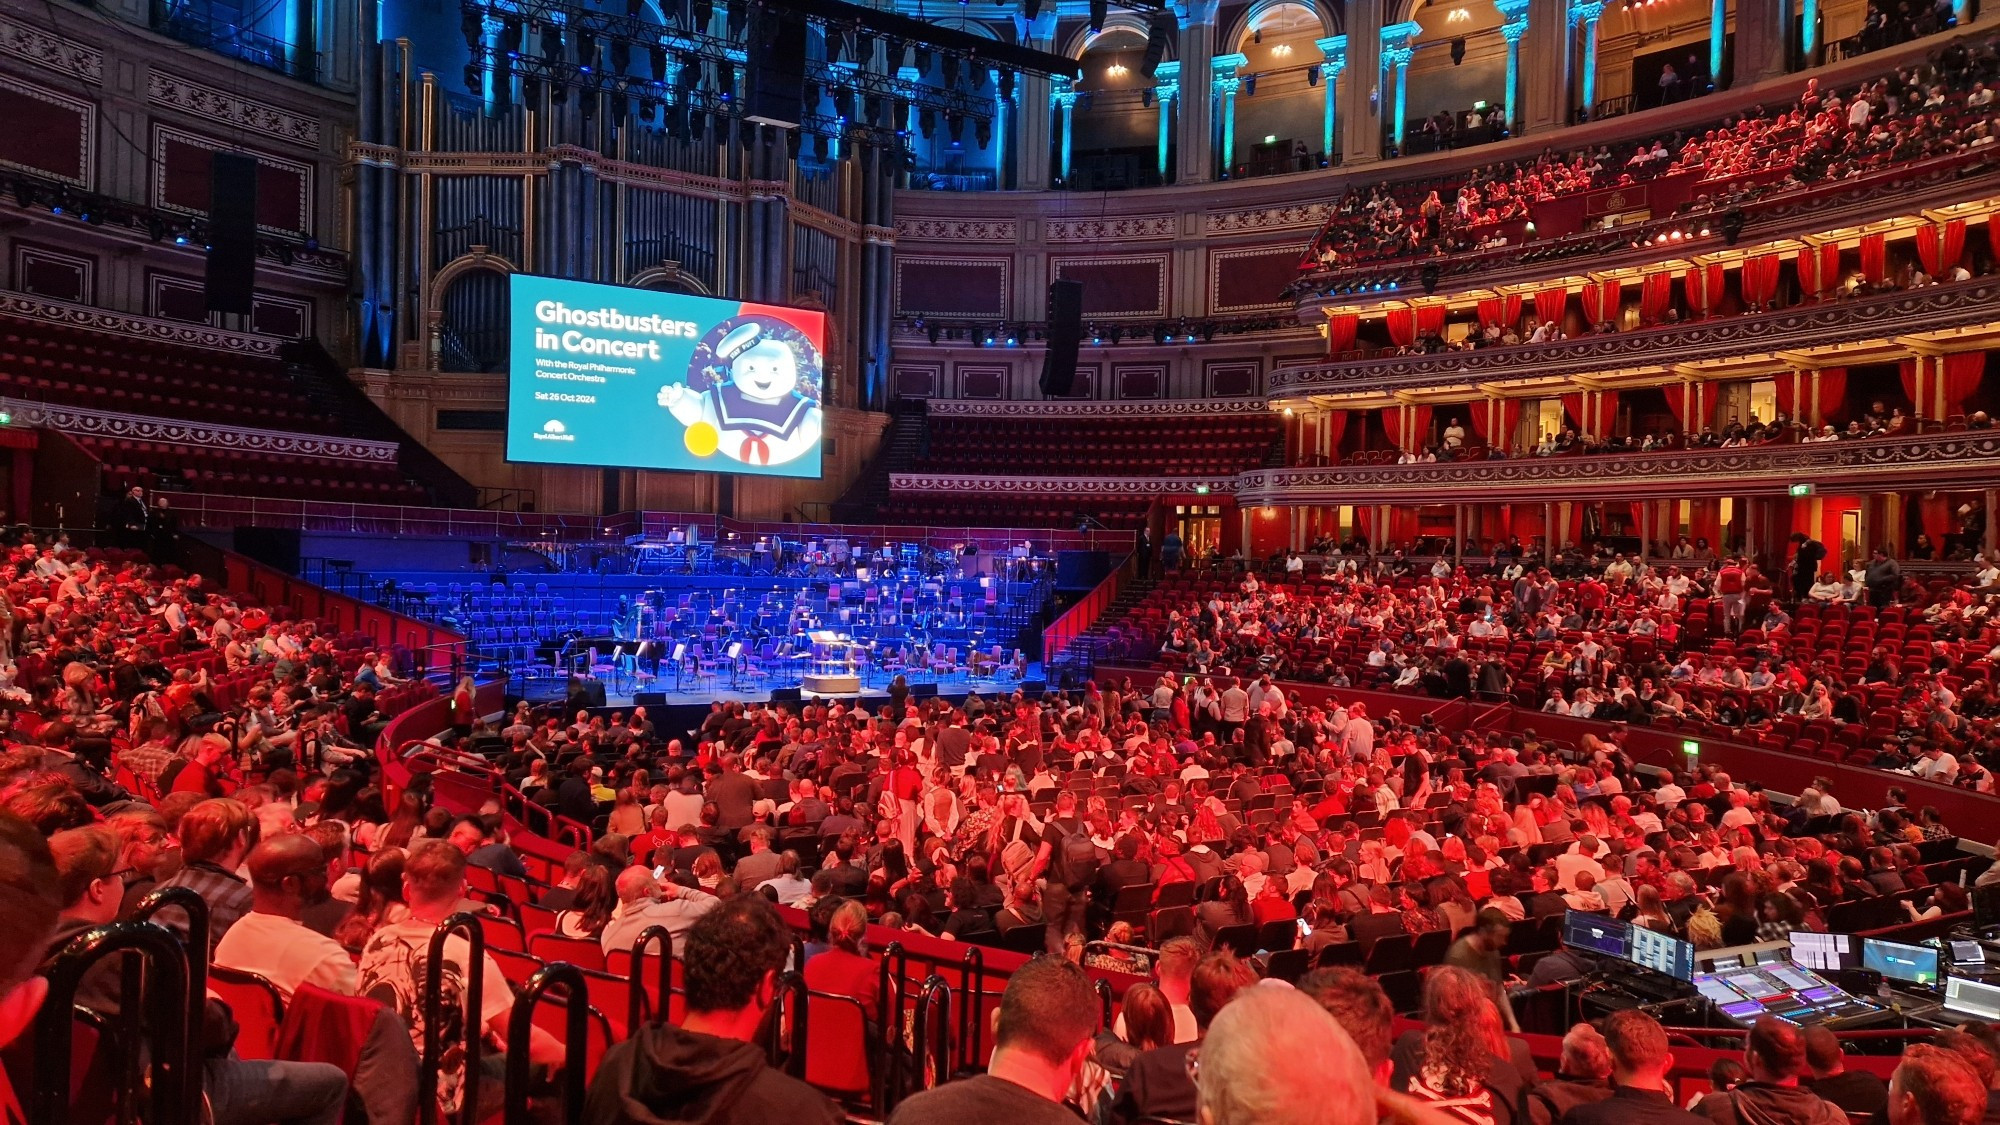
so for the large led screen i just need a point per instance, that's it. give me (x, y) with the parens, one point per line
(635, 379)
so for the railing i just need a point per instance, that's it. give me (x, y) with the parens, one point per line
(473, 933)
(197, 22)
(175, 1083)
(205, 510)
(1078, 618)
(520, 1033)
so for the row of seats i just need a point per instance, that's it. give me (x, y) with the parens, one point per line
(243, 472)
(1100, 446)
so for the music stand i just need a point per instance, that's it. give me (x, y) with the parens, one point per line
(735, 654)
(679, 658)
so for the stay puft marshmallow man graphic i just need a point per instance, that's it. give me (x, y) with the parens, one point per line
(750, 394)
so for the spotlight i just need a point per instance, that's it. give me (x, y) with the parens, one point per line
(923, 62)
(932, 332)
(586, 50)
(1732, 225)
(703, 13)
(1161, 334)
(689, 76)
(983, 133)
(621, 55)
(1312, 75)
(26, 194)
(155, 229)
(896, 50)
(475, 79)
(736, 18)
(950, 69)
(1146, 98)
(864, 46)
(1249, 85)
(657, 56)
(835, 40)
(1430, 275)
(1117, 333)
(1099, 9)
(1031, 9)
(551, 42)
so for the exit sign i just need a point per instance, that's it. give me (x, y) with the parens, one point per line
(1802, 490)
(1690, 747)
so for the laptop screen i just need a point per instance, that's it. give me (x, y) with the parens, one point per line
(1970, 998)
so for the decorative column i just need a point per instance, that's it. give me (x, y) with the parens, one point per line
(1760, 40)
(1166, 88)
(1225, 69)
(1003, 121)
(1587, 13)
(1361, 109)
(1334, 49)
(1396, 56)
(1196, 148)
(1718, 35)
(1515, 13)
(1548, 67)
(1031, 146)
(1062, 96)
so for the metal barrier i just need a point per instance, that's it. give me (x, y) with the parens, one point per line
(930, 1037)
(1104, 1002)
(576, 1041)
(196, 908)
(175, 1078)
(972, 991)
(782, 1050)
(636, 992)
(433, 1052)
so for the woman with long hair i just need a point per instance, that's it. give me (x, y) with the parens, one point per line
(1462, 1062)
(1229, 907)
(628, 817)
(380, 902)
(596, 898)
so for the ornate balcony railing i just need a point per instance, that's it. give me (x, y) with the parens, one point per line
(1963, 304)
(1951, 459)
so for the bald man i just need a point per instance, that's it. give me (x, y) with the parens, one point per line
(645, 901)
(286, 874)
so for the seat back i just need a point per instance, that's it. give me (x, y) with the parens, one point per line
(837, 1041)
(257, 1006)
(581, 952)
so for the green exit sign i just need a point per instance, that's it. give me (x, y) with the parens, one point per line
(6, 419)
(1690, 747)
(1802, 490)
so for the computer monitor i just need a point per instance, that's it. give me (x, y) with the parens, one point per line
(1986, 905)
(1597, 934)
(1910, 964)
(1971, 998)
(1831, 952)
(1968, 953)
(1663, 953)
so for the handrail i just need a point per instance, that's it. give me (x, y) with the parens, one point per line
(636, 991)
(576, 1041)
(176, 1085)
(1104, 1003)
(895, 969)
(930, 1037)
(1079, 617)
(196, 908)
(433, 1052)
(793, 1002)
(971, 987)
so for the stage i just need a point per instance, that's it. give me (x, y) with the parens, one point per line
(619, 694)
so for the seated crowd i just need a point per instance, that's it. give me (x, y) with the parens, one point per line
(1163, 834)
(1939, 107)
(1899, 679)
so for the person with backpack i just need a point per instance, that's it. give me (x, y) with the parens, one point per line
(1067, 862)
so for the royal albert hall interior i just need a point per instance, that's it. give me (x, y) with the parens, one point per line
(999, 562)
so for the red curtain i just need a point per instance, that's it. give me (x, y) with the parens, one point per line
(1549, 304)
(1340, 332)
(1940, 245)
(1963, 372)
(1402, 327)
(1600, 301)
(1676, 396)
(1430, 320)
(1993, 235)
(1760, 279)
(1934, 510)
(1787, 386)
(1335, 425)
(1907, 371)
(1573, 410)
(1502, 311)
(1420, 428)
(1833, 394)
(1874, 257)
(1819, 270)
(1703, 286)
(1656, 296)
(1607, 413)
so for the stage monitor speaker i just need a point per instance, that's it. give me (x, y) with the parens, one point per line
(1033, 688)
(923, 691)
(272, 546)
(649, 699)
(786, 695)
(230, 276)
(1064, 335)
(777, 73)
(586, 691)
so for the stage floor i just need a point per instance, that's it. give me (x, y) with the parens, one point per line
(689, 693)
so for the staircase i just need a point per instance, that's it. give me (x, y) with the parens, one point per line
(1078, 662)
(326, 385)
(902, 443)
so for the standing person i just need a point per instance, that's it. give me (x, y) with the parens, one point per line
(1732, 587)
(163, 529)
(1048, 1018)
(1884, 578)
(711, 1069)
(1142, 551)
(1807, 554)
(129, 518)
(1170, 551)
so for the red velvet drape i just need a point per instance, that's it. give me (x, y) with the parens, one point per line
(1502, 311)
(1549, 304)
(1906, 370)
(1787, 386)
(1703, 287)
(1940, 245)
(1677, 401)
(1573, 410)
(1819, 270)
(1334, 425)
(1833, 394)
(1934, 512)
(1760, 279)
(1963, 372)
(1600, 301)
(1874, 257)
(1340, 332)
(1993, 235)
(1402, 327)
(1656, 296)
(1420, 427)
(1607, 413)
(1430, 320)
